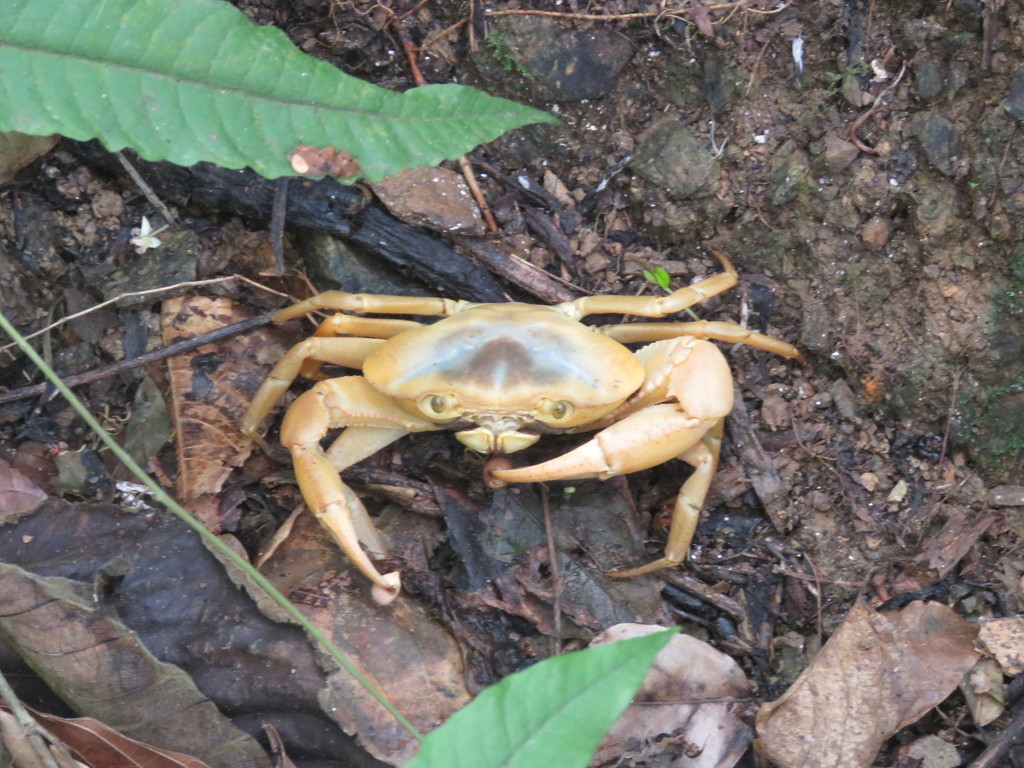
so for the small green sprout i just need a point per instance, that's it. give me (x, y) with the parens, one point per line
(661, 278)
(658, 277)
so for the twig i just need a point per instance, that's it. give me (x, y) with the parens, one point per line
(147, 292)
(675, 13)
(949, 415)
(146, 190)
(278, 210)
(852, 130)
(412, 53)
(35, 733)
(485, 209)
(556, 579)
(541, 284)
(170, 350)
(994, 753)
(698, 588)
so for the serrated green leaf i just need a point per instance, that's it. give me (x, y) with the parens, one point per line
(552, 714)
(191, 80)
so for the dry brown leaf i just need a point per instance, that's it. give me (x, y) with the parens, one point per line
(99, 745)
(323, 161)
(1004, 640)
(688, 706)
(100, 668)
(962, 529)
(210, 390)
(18, 150)
(985, 692)
(17, 493)
(878, 673)
(700, 15)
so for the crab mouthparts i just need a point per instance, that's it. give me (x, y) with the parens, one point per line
(483, 440)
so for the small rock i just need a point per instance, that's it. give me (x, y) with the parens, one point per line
(940, 141)
(789, 167)
(1014, 103)
(869, 481)
(929, 79)
(839, 153)
(435, 198)
(716, 80)
(935, 211)
(1007, 496)
(669, 155)
(571, 64)
(876, 232)
(334, 262)
(843, 397)
(775, 411)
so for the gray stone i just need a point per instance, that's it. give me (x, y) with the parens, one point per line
(669, 155)
(572, 64)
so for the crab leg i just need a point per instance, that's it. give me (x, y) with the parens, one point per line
(695, 374)
(656, 306)
(353, 325)
(370, 302)
(373, 420)
(731, 333)
(348, 352)
(703, 457)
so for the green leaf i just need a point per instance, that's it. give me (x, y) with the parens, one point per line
(659, 277)
(191, 80)
(552, 714)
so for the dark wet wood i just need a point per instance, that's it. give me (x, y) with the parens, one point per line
(324, 205)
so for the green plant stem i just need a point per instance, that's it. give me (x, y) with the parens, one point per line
(164, 498)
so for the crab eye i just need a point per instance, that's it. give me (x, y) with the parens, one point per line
(559, 409)
(439, 405)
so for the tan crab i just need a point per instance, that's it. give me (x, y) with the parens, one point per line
(502, 375)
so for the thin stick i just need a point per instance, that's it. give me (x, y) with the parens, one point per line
(949, 415)
(147, 292)
(412, 53)
(146, 190)
(556, 579)
(277, 218)
(995, 753)
(169, 350)
(35, 733)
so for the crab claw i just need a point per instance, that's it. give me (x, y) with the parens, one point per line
(644, 439)
(386, 595)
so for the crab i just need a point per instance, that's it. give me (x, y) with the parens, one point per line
(502, 375)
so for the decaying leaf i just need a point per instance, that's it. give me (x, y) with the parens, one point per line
(1004, 639)
(99, 667)
(323, 161)
(878, 673)
(210, 390)
(686, 713)
(18, 494)
(101, 745)
(948, 546)
(154, 574)
(985, 692)
(18, 150)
